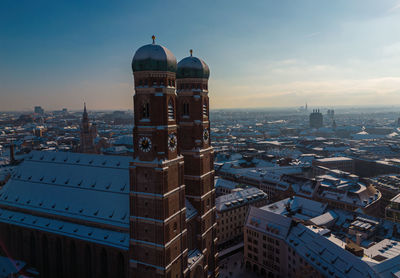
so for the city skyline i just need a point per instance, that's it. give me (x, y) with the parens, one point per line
(266, 54)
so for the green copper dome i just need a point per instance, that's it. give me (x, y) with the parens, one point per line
(153, 57)
(192, 67)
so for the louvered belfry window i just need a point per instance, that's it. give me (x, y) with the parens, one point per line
(205, 110)
(146, 110)
(186, 109)
(171, 115)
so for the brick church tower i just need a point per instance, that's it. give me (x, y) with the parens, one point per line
(158, 239)
(88, 134)
(194, 144)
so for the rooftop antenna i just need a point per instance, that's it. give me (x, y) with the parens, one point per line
(191, 52)
(154, 39)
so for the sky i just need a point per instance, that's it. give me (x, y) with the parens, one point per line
(261, 53)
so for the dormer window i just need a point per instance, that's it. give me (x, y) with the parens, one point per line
(146, 110)
(171, 115)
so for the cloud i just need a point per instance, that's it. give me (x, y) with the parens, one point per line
(391, 50)
(394, 8)
(372, 91)
(311, 35)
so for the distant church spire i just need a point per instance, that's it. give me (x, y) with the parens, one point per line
(88, 133)
(85, 114)
(154, 39)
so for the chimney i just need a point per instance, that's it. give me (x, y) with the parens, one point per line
(12, 156)
(358, 239)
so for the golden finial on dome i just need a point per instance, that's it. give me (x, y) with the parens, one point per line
(154, 39)
(191, 52)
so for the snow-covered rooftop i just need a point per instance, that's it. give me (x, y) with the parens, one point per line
(190, 210)
(239, 198)
(385, 249)
(334, 159)
(92, 188)
(74, 194)
(298, 207)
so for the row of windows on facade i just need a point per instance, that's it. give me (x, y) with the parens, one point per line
(270, 262)
(264, 238)
(171, 83)
(193, 86)
(231, 219)
(271, 259)
(171, 114)
(229, 235)
(157, 82)
(231, 227)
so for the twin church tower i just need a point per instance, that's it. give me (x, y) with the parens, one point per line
(172, 195)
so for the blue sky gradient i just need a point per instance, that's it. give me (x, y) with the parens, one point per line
(261, 53)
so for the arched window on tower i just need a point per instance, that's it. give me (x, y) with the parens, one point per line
(121, 266)
(171, 113)
(205, 111)
(59, 258)
(20, 243)
(103, 263)
(33, 249)
(146, 110)
(72, 261)
(88, 261)
(185, 109)
(45, 257)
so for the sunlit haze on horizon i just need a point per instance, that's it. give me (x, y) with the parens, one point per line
(261, 54)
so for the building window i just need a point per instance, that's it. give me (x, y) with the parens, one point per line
(171, 115)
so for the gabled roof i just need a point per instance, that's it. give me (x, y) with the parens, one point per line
(268, 222)
(84, 196)
(92, 188)
(324, 255)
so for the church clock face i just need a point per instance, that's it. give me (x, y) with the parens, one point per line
(145, 144)
(172, 142)
(206, 135)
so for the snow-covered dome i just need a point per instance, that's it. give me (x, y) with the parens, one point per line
(153, 57)
(192, 67)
